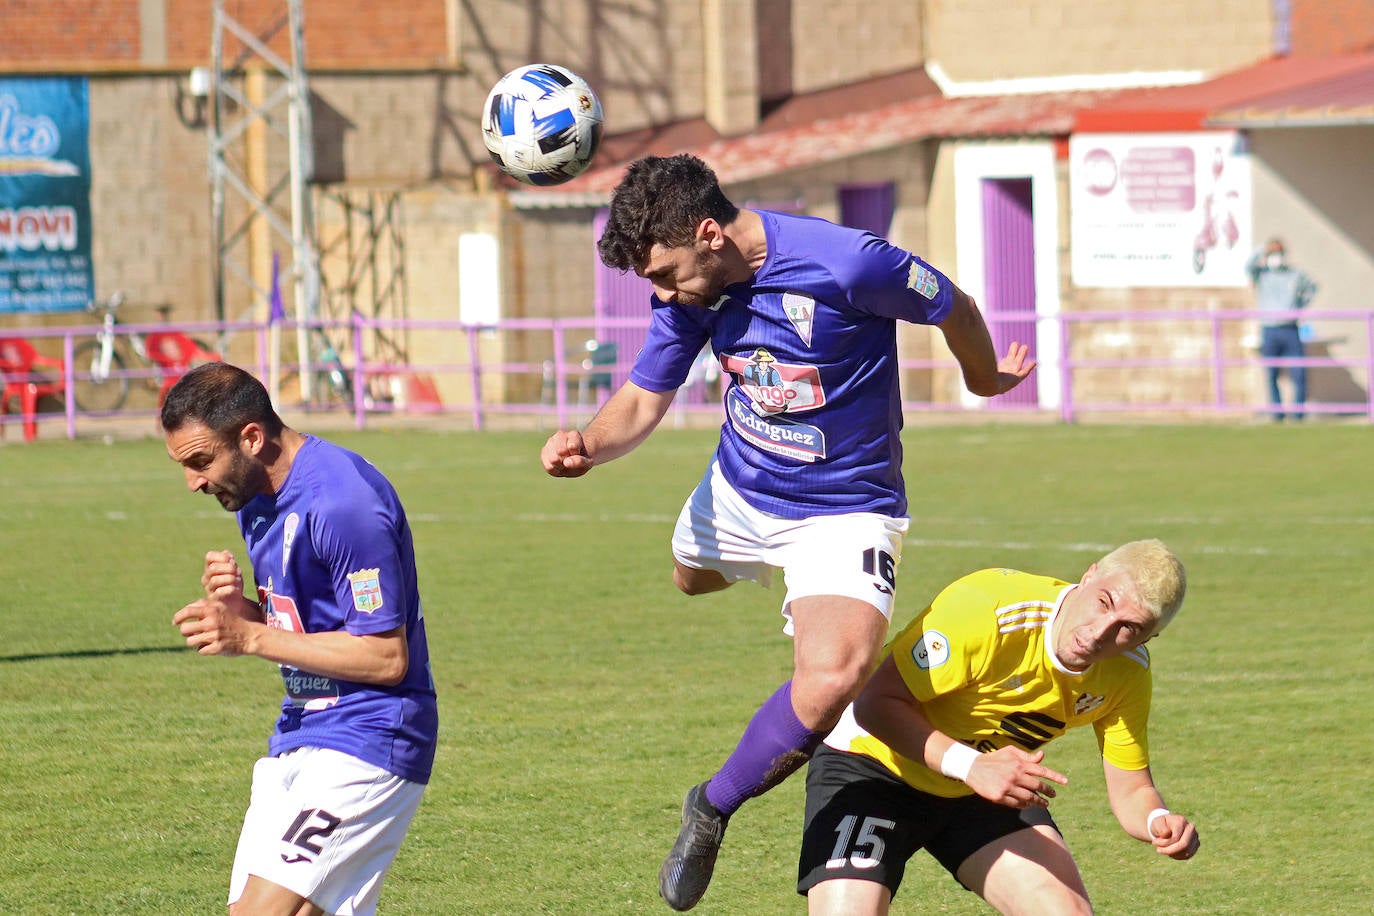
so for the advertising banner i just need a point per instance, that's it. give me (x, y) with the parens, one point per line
(1158, 209)
(45, 194)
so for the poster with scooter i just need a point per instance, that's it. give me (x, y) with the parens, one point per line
(1160, 209)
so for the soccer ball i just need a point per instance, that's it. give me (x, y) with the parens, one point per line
(542, 124)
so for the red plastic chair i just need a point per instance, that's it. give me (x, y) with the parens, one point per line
(20, 364)
(175, 354)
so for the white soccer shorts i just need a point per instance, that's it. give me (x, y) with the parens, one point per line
(324, 825)
(853, 555)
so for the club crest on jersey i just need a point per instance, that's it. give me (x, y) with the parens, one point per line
(799, 308)
(288, 537)
(922, 280)
(367, 590)
(931, 650)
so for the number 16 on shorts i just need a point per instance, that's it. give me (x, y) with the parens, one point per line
(881, 565)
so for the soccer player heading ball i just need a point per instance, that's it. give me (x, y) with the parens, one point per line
(801, 314)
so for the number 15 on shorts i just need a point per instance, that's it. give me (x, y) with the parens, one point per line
(864, 850)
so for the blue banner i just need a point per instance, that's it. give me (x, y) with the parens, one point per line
(45, 194)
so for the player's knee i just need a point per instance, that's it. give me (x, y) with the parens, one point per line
(1053, 899)
(820, 694)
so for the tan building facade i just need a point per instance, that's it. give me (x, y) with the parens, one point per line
(397, 89)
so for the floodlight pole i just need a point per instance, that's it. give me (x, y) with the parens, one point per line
(241, 117)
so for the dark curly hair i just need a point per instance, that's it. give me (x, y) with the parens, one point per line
(223, 397)
(661, 200)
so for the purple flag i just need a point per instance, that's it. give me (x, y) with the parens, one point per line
(278, 311)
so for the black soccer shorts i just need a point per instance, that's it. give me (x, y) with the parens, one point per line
(863, 822)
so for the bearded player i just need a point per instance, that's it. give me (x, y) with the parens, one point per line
(802, 316)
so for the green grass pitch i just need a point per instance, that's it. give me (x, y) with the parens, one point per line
(580, 695)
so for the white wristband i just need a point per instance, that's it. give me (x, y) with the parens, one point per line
(958, 760)
(1150, 819)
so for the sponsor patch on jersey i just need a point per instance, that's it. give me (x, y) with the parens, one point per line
(309, 691)
(774, 387)
(1086, 703)
(931, 650)
(279, 611)
(367, 590)
(777, 435)
(922, 280)
(800, 309)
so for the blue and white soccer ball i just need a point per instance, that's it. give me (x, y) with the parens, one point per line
(542, 124)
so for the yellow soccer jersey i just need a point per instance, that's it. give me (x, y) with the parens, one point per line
(980, 660)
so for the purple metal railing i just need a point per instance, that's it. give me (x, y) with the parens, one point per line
(569, 390)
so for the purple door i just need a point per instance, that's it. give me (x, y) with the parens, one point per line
(618, 295)
(1009, 271)
(868, 206)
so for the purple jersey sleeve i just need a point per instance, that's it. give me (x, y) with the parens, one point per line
(355, 537)
(676, 335)
(882, 279)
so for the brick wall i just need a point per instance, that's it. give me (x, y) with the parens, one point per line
(404, 119)
(396, 127)
(992, 39)
(67, 33)
(150, 200)
(643, 58)
(380, 33)
(843, 41)
(1331, 26)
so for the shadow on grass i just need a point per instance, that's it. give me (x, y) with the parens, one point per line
(92, 653)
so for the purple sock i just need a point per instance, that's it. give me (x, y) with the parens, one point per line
(774, 745)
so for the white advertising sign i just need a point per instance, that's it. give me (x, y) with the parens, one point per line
(1159, 209)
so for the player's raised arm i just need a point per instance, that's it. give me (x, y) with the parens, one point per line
(971, 343)
(1141, 811)
(619, 426)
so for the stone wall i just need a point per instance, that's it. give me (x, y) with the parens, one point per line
(993, 39)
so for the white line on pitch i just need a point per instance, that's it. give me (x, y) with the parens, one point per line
(1075, 548)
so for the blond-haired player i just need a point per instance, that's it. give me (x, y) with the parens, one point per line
(943, 748)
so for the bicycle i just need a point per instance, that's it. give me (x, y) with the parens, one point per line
(102, 364)
(332, 380)
(330, 374)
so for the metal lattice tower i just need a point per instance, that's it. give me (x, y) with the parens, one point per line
(261, 121)
(361, 245)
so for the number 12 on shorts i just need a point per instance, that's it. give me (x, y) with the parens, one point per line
(867, 848)
(309, 825)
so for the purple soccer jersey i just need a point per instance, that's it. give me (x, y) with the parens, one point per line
(332, 551)
(813, 411)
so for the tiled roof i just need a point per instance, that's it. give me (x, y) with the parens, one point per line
(1338, 92)
(899, 109)
(1263, 87)
(772, 150)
